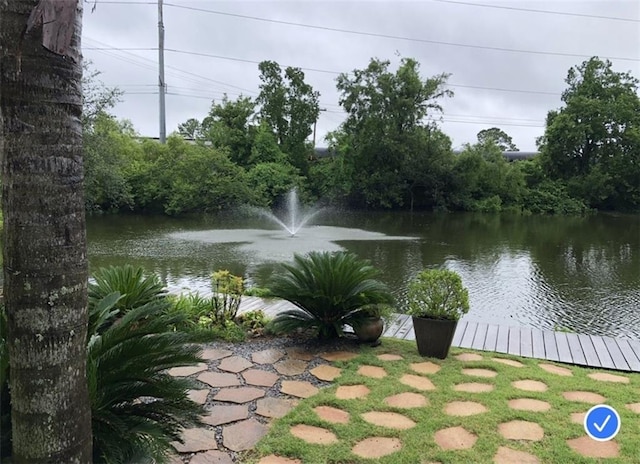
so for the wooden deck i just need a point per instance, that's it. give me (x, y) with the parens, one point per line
(583, 350)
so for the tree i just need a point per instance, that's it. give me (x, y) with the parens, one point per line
(96, 97)
(190, 128)
(45, 265)
(592, 144)
(498, 137)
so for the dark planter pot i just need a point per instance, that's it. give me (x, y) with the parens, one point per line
(434, 336)
(370, 329)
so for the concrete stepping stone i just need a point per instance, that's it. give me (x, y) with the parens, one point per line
(274, 408)
(473, 387)
(196, 439)
(373, 372)
(211, 457)
(530, 385)
(174, 459)
(301, 389)
(273, 459)
(454, 438)
(389, 357)
(376, 447)
(268, 356)
(186, 371)
(407, 400)
(635, 407)
(291, 367)
(529, 404)
(219, 379)
(553, 369)
(259, 378)
(234, 364)
(424, 367)
(464, 408)
(313, 435)
(508, 362)
(587, 447)
(239, 394)
(486, 373)
(578, 417)
(509, 456)
(584, 397)
(521, 430)
(417, 382)
(339, 356)
(213, 354)
(351, 392)
(326, 372)
(296, 352)
(198, 396)
(469, 357)
(243, 435)
(606, 377)
(331, 414)
(224, 414)
(391, 420)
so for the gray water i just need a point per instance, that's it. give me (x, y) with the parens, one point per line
(577, 274)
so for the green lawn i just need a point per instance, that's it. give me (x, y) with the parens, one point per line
(418, 443)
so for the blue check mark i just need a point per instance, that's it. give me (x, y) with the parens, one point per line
(602, 422)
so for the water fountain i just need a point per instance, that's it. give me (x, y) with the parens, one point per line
(295, 217)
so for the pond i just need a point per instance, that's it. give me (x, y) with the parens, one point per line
(580, 274)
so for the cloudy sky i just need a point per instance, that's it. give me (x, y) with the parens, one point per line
(507, 62)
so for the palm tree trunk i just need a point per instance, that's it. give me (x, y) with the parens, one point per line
(45, 264)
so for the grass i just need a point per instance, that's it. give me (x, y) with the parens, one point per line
(418, 442)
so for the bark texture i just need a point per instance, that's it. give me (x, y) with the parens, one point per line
(45, 264)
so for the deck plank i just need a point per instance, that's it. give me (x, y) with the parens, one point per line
(526, 344)
(469, 333)
(576, 350)
(602, 352)
(616, 354)
(537, 339)
(406, 327)
(514, 341)
(632, 358)
(395, 325)
(550, 346)
(590, 352)
(564, 351)
(479, 337)
(502, 343)
(491, 338)
(459, 333)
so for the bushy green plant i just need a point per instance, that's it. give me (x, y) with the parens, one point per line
(227, 295)
(438, 294)
(260, 292)
(328, 290)
(253, 321)
(136, 288)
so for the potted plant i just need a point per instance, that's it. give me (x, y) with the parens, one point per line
(437, 300)
(369, 322)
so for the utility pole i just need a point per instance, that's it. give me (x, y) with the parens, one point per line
(162, 87)
(314, 127)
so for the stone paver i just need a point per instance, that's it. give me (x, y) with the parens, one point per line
(274, 407)
(243, 435)
(351, 392)
(389, 357)
(606, 377)
(376, 447)
(406, 400)
(391, 420)
(521, 430)
(211, 457)
(509, 456)
(196, 439)
(417, 382)
(473, 387)
(454, 438)
(213, 354)
(486, 373)
(635, 407)
(239, 394)
(530, 385)
(529, 404)
(269, 356)
(314, 435)
(424, 367)
(326, 372)
(468, 357)
(259, 378)
(584, 397)
(234, 364)
(273, 459)
(198, 396)
(339, 356)
(464, 408)
(373, 372)
(594, 449)
(223, 414)
(301, 389)
(186, 371)
(295, 352)
(508, 362)
(331, 414)
(578, 417)
(219, 379)
(553, 369)
(291, 367)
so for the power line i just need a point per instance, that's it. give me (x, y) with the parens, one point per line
(389, 36)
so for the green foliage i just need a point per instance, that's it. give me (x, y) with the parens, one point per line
(260, 292)
(253, 322)
(497, 137)
(438, 294)
(227, 295)
(328, 289)
(270, 181)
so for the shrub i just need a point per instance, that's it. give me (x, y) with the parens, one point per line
(227, 295)
(438, 294)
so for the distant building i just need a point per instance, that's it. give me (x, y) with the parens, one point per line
(324, 152)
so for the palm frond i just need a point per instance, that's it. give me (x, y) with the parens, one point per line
(136, 288)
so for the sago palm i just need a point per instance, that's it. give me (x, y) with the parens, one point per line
(329, 290)
(136, 288)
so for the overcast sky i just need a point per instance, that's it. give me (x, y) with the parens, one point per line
(512, 90)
